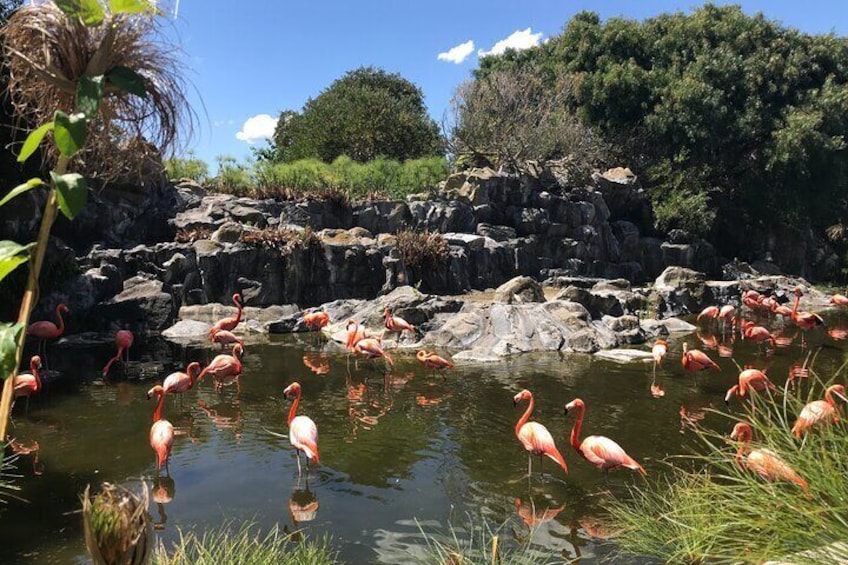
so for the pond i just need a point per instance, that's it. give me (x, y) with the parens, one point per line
(401, 452)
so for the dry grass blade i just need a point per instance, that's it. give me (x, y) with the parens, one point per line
(48, 53)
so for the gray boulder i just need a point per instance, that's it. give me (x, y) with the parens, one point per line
(519, 290)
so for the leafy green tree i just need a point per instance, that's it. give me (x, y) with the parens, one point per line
(718, 110)
(366, 114)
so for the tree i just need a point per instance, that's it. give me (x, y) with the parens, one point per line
(368, 113)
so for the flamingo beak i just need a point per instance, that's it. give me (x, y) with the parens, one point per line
(565, 410)
(514, 403)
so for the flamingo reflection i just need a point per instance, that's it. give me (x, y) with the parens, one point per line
(225, 416)
(533, 515)
(318, 364)
(303, 506)
(21, 449)
(689, 418)
(162, 492)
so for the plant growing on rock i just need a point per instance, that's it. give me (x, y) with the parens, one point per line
(285, 241)
(88, 73)
(423, 250)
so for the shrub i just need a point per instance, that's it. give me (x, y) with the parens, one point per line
(423, 251)
(190, 236)
(285, 241)
(233, 177)
(188, 167)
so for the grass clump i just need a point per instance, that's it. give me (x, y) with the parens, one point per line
(244, 545)
(184, 235)
(116, 525)
(286, 241)
(423, 250)
(710, 509)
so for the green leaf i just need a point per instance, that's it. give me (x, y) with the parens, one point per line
(127, 80)
(132, 7)
(70, 132)
(89, 11)
(9, 336)
(33, 140)
(21, 188)
(89, 94)
(11, 256)
(73, 192)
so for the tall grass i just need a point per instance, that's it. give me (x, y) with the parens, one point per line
(709, 509)
(244, 545)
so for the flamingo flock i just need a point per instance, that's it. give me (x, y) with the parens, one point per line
(598, 451)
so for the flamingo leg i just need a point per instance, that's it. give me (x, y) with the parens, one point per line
(297, 455)
(529, 464)
(26, 410)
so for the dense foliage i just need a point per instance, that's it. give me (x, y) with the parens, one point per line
(715, 108)
(188, 167)
(366, 114)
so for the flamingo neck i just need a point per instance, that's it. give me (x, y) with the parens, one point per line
(795, 307)
(575, 431)
(828, 397)
(293, 409)
(160, 403)
(192, 372)
(237, 302)
(523, 420)
(61, 325)
(744, 438)
(34, 370)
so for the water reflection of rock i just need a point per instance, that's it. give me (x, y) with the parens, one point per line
(162, 492)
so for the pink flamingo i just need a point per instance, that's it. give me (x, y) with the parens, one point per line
(355, 333)
(178, 382)
(123, 341)
(231, 322)
(804, 320)
(710, 312)
(27, 384)
(749, 380)
(316, 320)
(696, 360)
(820, 411)
(371, 348)
(658, 352)
(763, 462)
(433, 361)
(161, 432)
(223, 367)
(535, 437)
(303, 433)
(726, 314)
(395, 324)
(781, 310)
(757, 334)
(45, 330)
(600, 451)
(839, 300)
(225, 338)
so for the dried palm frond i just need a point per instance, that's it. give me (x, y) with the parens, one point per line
(116, 525)
(48, 52)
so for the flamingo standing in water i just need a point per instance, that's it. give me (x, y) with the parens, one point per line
(123, 341)
(372, 348)
(763, 462)
(839, 300)
(316, 320)
(161, 432)
(726, 314)
(27, 384)
(804, 320)
(45, 330)
(178, 382)
(757, 334)
(433, 361)
(225, 338)
(396, 324)
(696, 360)
(231, 322)
(819, 411)
(600, 451)
(303, 433)
(355, 333)
(658, 352)
(710, 312)
(535, 437)
(224, 367)
(749, 380)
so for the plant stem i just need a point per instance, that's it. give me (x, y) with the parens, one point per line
(47, 219)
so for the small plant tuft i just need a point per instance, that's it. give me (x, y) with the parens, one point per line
(423, 250)
(286, 241)
(116, 525)
(190, 236)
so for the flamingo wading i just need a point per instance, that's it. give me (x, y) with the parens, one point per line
(600, 451)
(303, 433)
(535, 437)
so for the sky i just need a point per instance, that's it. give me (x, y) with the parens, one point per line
(248, 60)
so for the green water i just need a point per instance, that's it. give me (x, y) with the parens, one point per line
(400, 452)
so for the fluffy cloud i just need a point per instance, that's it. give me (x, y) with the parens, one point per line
(519, 40)
(457, 54)
(257, 128)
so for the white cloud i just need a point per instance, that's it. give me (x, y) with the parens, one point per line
(257, 128)
(457, 54)
(519, 40)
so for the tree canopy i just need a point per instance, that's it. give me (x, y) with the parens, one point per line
(718, 110)
(367, 113)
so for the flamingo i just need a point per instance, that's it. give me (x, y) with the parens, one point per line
(396, 324)
(433, 361)
(658, 352)
(161, 432)
(355, 333)
(600, 451)
(710, 312)
(696, 360)
(230, 323)
(27, 384)
(750, 299)
(45, 330)
(781, 310)
(763, 462)
(316, 320)
(839, 300)
(224, 366)
(726, 314)
(372, 348)
(535, 437)
(225, 338)
(819, 411)
(749, 380)
(123, 341)
(178, 382)
(303, 433)
(757, 334)
(804, 320)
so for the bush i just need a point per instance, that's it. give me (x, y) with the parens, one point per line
(188, 167)
(711, 510)
(233, 177)
(285, 241)
(423, 251)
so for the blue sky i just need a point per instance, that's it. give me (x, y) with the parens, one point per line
(252, 57)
